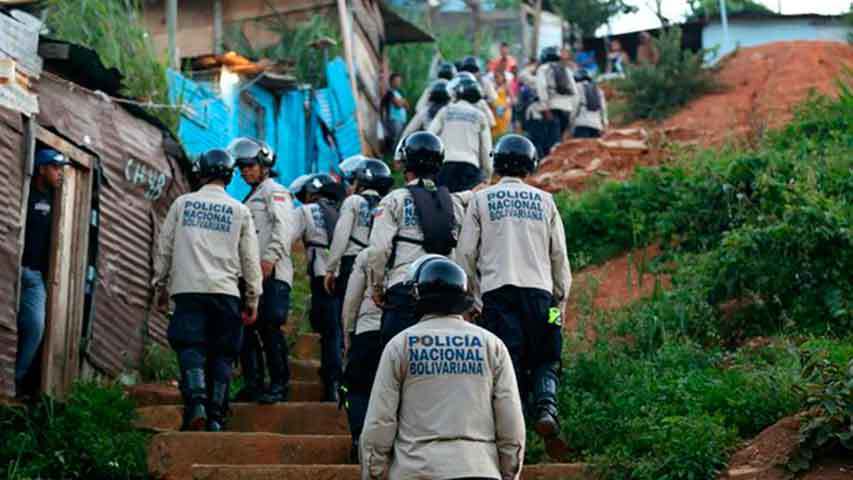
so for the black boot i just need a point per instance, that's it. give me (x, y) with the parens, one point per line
(545, 397)
(217, 407)
(277, 367)
(195, 396)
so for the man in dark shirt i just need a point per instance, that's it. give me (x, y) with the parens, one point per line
(49, 165)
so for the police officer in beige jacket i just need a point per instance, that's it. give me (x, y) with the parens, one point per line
(513, 247)
(556, 88)
(467, 137)
(409, 223)
(207, 243)
(314, 223)
(371, 180)
(362, 347)
(445, 402)
(591, 118)
(271, 207)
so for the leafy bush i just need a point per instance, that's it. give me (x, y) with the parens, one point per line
(654, 91)
(828, 425)
(159, 364)
(674, 413)
(115, 30)
(90, 435)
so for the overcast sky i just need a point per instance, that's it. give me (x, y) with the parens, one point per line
(675, 10)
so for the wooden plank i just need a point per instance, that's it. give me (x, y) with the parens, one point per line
(17, 39)
(74, 153)
(15, 97)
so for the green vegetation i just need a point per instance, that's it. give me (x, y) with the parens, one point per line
(90, 435)
(758, 244)
(159, 364)
(655, 91)
(294, 45)
(114, 29)
(705, 9)
(589, 15)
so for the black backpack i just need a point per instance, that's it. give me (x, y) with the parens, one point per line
(372, 202)
(434, 210)
(561, 79)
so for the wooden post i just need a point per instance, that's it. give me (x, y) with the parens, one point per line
(217, 27)
(537, 25)
(346, 34)
(172, 27)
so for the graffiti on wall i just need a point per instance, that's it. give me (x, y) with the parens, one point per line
(151, 180)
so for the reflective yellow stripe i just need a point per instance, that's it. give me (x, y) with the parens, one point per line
(554, 316)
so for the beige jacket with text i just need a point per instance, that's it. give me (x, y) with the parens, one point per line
(513, 235)
(445, 404)
(546, 90)
(352, 232)
(466, 135)
(208, 242)
(396, 216)
(308, 226)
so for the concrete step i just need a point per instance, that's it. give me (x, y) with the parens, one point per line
(291, 418)
(304, 370)
(172, 455)
(555, 471)
(153, 394)
(307, 347)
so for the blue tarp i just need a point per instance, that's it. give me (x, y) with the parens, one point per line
(212, 122)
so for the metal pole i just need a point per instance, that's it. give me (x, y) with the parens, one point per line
(724, 18)
(217, 26)
(172, 27)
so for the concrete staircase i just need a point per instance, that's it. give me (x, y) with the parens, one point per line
(302, 439)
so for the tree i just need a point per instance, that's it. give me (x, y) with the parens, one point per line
(588, 15)
(702, 9)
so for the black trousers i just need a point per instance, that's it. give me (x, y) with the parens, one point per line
(398, 313)
(362, 363)
(459, 176)
(520, 318)
(325, 321)
(342, 281)
(265, 336)
(206, 331)
(586, 132)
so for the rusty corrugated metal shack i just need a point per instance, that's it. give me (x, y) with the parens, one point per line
(126, 171)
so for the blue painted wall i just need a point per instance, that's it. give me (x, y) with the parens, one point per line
(749, 33)
(210, 121)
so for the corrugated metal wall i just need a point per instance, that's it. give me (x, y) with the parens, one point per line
(11, 182)
(139, 185)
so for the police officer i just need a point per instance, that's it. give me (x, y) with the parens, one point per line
(439, 97)
(207, 243)
(465, 132)
(556, 88)
(452, 87)
(314, 223)
(471, 65)
(591, 117)
(361, 320)
(409, 223)
(371, 181)
(521, 294)
(446, 72)
(271, 206)
(445, 401)
(35, 264)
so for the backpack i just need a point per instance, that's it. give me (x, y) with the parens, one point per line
(592, 98)
(434, 210)
(562, 84)
(330, 219)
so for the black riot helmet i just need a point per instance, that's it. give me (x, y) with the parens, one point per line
(469, 90)
(446, 71)
(438, 92)
(325, 186)
(514, 156)
(348, 166)
(214, 164)
(439, 286)
(422, 153)
(297, 187)
(470, 64)
(249, 151)
(582, 75)
(374, 174)
(549, 54)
